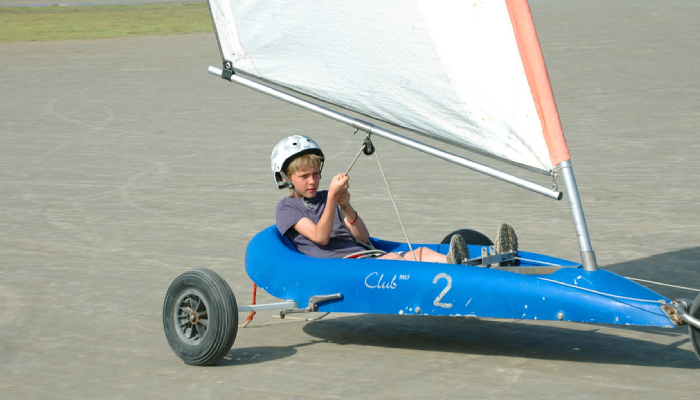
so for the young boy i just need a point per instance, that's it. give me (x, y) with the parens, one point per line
(310, 219)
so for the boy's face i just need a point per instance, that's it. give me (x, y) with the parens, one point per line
(306, 182)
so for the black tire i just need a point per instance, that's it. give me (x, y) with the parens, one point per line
(693, 331)
(200, 317)
(470, 236)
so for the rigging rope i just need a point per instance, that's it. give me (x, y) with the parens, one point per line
(391, 195)
(356, 157)
(662, 284)
(627, 277)
(601, 293)
(342, 215)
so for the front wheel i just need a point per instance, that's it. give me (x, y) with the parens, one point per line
(470, 236)
(695, 332)
(200, 317)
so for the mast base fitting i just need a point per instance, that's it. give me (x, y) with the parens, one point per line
(589, 261)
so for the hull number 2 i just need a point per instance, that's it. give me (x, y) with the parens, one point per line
(375, 280)
(437, 302)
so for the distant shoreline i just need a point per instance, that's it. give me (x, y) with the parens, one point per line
(41, 24)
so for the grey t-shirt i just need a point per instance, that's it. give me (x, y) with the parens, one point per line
(292, 209)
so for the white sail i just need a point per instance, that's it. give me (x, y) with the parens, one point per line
(466, 73)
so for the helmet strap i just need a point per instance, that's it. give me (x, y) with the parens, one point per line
(288, 183)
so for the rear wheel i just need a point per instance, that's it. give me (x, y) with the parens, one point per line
(695, 332)
(470, 236)
(200, 317)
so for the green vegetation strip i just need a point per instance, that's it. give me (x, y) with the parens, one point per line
(31, 24)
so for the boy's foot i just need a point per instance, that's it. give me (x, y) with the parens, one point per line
(458, 250)
(506, 241)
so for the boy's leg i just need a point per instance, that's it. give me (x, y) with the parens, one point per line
(428, 255)
(425, 254)
(390, 256)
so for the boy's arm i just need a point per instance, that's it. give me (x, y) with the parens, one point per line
(355, 223)
(318, 233)
(321, 233)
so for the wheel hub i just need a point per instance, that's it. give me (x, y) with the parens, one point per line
(191, 317)
(194, 318)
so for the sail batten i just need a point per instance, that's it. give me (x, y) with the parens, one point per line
(452, 70)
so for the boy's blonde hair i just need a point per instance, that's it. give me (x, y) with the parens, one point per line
(304, 162)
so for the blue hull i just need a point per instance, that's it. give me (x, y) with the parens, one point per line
(401, 287)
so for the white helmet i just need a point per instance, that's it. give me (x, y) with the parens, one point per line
(287, 150)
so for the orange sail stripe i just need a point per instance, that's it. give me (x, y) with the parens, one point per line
(538, 79)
